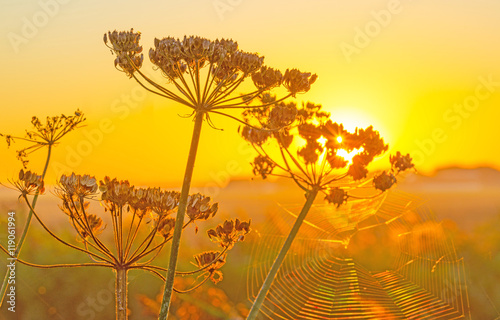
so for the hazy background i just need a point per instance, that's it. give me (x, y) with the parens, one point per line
(425, 74)
(405, 71)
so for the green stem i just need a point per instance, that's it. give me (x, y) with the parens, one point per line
(3, 290)
(181, 211)
(121, 293)
(281, 255)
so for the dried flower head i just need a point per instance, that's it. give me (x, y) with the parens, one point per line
(384, 181)
(400, 162)
(45, 134)
(125, 45)
(229, 232)
(78, 185)
(267, 78)
(214, 260)
(263, 166)
(336, 196)
(200, 208)
(282, 115)
(316, 159)
(254, 135)
(166, 226)
(29, 183)
(181, 62)
(297, 82)
(115, 192)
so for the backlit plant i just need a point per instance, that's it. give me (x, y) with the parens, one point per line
(310, 153)
(47, 135)
(141, 223)
(205, 76)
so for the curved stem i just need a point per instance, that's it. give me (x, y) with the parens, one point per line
(61, 240)
(184, 273)
(3, 290)
(240, 106)
(157, 247)
(159, 275)
(101, 246)
(257, 305)
(64, 265)
(181, 212)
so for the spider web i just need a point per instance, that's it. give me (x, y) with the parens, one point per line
(326, 276)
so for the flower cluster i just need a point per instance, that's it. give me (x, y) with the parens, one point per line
(267, 78)
(117, 193)
(313, 124)
(227, 64)
(199, 207)
(316, 159)
(175, 56)
(166, 226)
(336, 196)
(78, 185)
(29, 183)
(297, 82)
(125, 45)
(262, 165)
(400, 162)
(214, 261)
(46, 134)
(229, 232)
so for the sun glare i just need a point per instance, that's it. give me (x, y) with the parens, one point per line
(341, 152)
(322, 141)
(349, 155)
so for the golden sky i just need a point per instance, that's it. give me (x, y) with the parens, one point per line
(425, 74)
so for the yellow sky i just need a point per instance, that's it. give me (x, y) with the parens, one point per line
(426, 75)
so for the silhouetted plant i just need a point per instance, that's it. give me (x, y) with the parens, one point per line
(43, 135)
(150, 210)
(203, 75)
(309, 150)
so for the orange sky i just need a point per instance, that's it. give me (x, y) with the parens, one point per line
(426, 75)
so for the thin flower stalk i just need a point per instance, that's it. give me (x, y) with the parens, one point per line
(121, 200)
(205, 76)
(311, 155)
(46, 135)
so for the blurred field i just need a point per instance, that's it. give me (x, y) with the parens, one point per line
(467, 201)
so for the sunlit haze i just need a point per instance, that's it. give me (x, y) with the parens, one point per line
(424, 74)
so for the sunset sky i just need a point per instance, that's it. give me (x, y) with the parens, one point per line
(425, 74)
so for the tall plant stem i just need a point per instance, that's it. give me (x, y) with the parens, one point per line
(179, 221)
(3, 290)
(281, 255)
(121, 293)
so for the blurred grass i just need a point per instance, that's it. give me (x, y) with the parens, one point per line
(87, 293)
